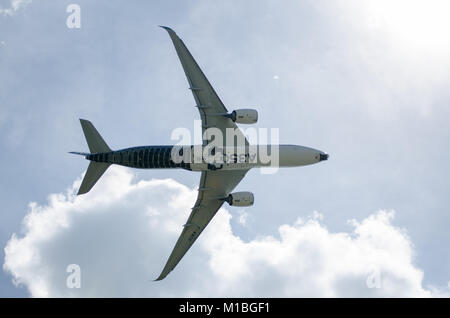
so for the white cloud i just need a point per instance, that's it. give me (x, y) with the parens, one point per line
(15, 6)
(243, 219)
(121, 233)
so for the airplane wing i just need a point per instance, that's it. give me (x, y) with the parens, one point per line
(208, 102)
(214, 185)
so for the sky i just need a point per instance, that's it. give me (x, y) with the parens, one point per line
(365, 81)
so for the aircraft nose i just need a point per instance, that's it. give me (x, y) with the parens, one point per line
(323, 156)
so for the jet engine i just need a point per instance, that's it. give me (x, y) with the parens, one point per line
(240, 199)
(244, 116)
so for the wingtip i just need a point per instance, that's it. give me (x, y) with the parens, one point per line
(80, 192)
(165, 27)
(163, 275)
(169, 30)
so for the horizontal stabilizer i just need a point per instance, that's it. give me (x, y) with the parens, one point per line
(93, 173)
(94, 140)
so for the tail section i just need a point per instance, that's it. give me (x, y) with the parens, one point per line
(94, 140)
(93, 173)
(96, 144)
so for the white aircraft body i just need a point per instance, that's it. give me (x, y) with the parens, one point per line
(222, 165)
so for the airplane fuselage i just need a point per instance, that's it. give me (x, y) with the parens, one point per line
(198, 158)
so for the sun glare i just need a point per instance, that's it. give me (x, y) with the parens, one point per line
(415, 24)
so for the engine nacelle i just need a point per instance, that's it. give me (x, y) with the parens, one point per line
(240, 199)
(244, 116)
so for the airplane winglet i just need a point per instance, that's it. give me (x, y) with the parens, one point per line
(162, 276)
(166, 28)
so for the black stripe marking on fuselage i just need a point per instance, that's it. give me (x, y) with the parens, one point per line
(146, 157)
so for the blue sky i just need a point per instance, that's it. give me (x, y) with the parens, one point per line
(365, 81)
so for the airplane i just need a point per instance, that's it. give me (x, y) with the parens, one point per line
(220, 174)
